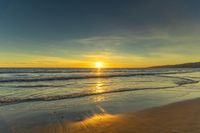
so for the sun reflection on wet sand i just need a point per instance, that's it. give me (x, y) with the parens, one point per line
(91, 124)
(166, 119)
(88, 125)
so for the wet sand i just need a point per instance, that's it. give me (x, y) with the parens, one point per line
(181, 117)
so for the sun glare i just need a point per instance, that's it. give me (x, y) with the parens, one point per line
(99, 64)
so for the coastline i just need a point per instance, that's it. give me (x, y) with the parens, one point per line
(179, 117)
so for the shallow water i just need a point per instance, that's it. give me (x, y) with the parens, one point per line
(25, 85)
(73, 94)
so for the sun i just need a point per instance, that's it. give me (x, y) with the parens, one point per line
(99, 64)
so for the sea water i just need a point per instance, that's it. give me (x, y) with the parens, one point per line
(79, 93)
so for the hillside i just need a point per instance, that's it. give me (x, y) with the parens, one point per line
(185, 65)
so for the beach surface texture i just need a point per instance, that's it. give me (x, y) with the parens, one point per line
(180, 117)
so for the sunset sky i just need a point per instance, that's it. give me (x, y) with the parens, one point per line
(78, 33)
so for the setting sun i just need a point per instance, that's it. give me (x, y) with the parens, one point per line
(99, 64)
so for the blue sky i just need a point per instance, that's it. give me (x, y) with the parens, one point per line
(121, 33)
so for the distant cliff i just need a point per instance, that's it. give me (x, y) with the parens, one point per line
(185, 65)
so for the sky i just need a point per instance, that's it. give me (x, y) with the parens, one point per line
(78, 33)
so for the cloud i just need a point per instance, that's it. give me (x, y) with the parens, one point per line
(152, 44)
(133, 50)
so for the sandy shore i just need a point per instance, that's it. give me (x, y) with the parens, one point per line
(181, 117)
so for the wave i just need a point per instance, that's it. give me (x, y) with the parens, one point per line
(182, 80)
(66, 70)
(45, 71)
(82, 77)
(7, 101)
(70, 78)
(38, 86)
(69, 96)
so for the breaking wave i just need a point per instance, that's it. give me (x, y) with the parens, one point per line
(5, 101)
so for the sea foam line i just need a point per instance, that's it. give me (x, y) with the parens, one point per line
(81, 77)
(6, 101)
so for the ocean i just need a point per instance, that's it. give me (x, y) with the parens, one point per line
(79, 93)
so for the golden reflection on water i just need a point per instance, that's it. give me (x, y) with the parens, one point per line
(99, 72)
(98, 88)
(98, 98)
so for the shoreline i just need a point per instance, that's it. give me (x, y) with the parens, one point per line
(179, 117)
